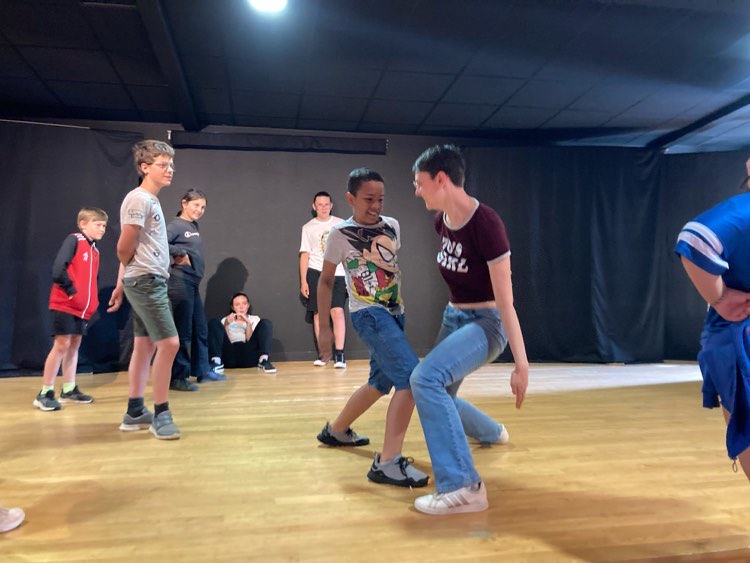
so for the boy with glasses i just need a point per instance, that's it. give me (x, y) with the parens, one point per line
(144, 269)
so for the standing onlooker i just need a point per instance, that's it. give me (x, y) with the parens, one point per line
(715, 251)
(186, 250)
(474, 260)
(311, 251)
(144, 269)
(74, 298)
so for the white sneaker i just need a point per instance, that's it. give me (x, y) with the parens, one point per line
(466, 499)
(339, 360)
(504, 436)
(10, 518)
(319, 363)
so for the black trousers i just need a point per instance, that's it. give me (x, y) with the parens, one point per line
(240, 354)
(190, 320)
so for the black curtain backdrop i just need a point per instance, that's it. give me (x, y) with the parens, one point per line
(591, 231)
(583, 226)
(47, 174)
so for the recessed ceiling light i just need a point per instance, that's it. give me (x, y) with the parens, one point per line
(268, 6)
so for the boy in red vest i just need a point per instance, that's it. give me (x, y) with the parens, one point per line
(73, 300)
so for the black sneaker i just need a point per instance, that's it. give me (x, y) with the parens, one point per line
(182, 385)
(75, 396)
(346, 438)
(339, 361)
(47, 401)
(399, 471)
(266, 366)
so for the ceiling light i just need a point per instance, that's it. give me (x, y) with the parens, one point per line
(268, 6)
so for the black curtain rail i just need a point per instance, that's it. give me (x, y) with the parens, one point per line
(283, 143)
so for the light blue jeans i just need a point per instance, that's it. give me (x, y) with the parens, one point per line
(468, 339)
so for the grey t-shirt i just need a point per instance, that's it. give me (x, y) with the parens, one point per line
(368, 254)
(152, 253)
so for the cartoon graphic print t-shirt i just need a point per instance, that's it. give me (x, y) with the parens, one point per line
(368, 254)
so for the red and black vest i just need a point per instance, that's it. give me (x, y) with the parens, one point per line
(83, 271)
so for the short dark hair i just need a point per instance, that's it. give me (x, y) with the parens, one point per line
(241, 294)
(359, 176)
(321, 194)
(445, 158)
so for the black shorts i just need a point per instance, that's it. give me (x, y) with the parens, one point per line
(339, 291)
(65, 323)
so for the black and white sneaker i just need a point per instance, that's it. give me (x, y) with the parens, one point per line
(339, 361)
(347, 438)
(266, 366)
(47, 401)
(75, 396)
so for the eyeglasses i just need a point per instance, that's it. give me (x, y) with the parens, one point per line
(164, 165)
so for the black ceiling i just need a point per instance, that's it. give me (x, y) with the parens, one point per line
(653, 73)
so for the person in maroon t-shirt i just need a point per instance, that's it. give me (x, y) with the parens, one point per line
(474, 260)
(73, 300)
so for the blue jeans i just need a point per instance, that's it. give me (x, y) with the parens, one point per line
(190, 320)
(391, 357)
(468, 339)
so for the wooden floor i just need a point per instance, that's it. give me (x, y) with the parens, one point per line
(605, 463)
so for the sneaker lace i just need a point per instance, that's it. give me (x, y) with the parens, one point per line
(352, 434)
(403, 463)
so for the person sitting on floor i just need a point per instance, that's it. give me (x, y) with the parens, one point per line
(241, 340)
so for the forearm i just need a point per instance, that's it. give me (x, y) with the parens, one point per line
(515, 336)
(304, 261)
(710, 286)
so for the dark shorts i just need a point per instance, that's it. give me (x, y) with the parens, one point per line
(339, 291)
(148, 299)
(65, 323)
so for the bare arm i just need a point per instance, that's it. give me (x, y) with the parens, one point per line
(304, 260)
(325, 293)
(502, 287)
(116, 299)
(127, 243)
(731, 304)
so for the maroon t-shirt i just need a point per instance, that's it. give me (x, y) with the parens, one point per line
(465, 252)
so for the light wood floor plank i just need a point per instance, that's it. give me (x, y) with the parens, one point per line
(606, 463)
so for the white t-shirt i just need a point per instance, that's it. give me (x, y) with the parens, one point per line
(314, 237)
(143, 209)
(236, 329)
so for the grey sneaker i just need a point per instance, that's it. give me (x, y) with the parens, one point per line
(347, 438)
(399, 471)
(164, 428)
(75, 396)
(141, 422)
(47, 401)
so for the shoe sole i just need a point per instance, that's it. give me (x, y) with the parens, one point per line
(267, 370)
(333, 442)
(134, 427)
(339, 365)
(175, 436)
(383, 479)
(40, 406)
(463, 509)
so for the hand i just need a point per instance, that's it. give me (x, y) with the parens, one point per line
(519, 381)
(182, 260)
(734, 305)
(116, 300)
(304, 289)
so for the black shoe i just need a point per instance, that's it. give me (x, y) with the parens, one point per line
(347, 438)
(182, 385)
(266, 366)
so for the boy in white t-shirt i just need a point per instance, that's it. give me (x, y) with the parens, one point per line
(311, 250)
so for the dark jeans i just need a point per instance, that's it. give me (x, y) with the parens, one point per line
(240, 354)
(190, 319)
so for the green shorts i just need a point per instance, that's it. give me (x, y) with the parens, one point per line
(152, 317)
